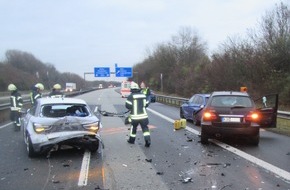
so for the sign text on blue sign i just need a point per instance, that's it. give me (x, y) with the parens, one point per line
(102, 71)
(124, 72)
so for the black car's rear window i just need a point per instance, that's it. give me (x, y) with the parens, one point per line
(61, 110)
(230, 101)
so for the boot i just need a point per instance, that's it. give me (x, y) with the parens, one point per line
(147, 143)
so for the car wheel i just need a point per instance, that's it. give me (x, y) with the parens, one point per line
(30, 151)
(94, 146)
(195, 120)
(203, 138)
(255, 140)
(181, 114)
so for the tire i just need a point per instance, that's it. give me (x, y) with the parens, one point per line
(94, 146)
(255, 140)
(203, 138)
(181, 114)
(30, 150)
(195, 121)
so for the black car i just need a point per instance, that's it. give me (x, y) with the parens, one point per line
(232, 114)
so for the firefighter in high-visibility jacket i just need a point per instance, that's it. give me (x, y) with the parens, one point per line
(16, 103)
(137, 103)
(56, 92)
(36, 93)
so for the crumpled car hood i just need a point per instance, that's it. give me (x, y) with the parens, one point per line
(64, 129)
(68, 123)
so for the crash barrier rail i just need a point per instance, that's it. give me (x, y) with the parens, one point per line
(174, 101)
(26, 98)
(177, 102)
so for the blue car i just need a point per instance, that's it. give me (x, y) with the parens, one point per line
(192, 109)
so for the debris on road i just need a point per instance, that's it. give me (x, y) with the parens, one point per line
(218, 164)
(184, 179)
(66, 165)
(55, 181)
(189, 139)
(159, 173)
(148, 160)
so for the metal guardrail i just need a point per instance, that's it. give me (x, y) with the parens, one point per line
(176, 101)
(26, 99)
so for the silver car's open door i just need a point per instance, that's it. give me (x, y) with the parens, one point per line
(268, 106)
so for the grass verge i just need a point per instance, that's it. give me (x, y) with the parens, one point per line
(283, 127)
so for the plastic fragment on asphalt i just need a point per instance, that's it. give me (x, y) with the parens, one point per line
(124, 165)
(188, 179)
(189, 140)
(148, 160)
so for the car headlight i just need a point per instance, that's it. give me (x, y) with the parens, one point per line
(40, 128)
(92, 126)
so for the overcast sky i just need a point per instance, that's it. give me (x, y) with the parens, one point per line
(78, 35)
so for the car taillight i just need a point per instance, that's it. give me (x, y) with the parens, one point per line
(253, 116)
(40, 128)
(209, 115)
(94, 127)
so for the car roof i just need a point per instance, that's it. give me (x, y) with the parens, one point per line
(204, 95)
(61, 101)
(222, 93)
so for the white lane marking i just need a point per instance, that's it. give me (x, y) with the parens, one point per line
(84, 173)
(96, 109)
(277, 171)
(6, 125)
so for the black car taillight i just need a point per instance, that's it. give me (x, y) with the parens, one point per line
(209, 115)
(253, 116)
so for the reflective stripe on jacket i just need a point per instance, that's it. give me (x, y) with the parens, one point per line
(16, 101)
(137, 103)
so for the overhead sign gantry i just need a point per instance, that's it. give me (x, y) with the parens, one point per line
(119, 71)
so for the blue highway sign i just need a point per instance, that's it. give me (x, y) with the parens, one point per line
(124, 72)
(102, 71)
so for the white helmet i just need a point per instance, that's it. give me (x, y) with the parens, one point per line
(134, 86)
(57, 86)
(39, 86)
(12, 87)
(143, 85)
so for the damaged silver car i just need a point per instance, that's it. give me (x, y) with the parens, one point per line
(54, 122)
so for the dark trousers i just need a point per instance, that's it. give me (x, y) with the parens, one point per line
(144, 125)
(15, 116)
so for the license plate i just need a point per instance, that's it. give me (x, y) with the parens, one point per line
(231, 119)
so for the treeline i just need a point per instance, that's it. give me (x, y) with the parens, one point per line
(24, 70)
(261, 61)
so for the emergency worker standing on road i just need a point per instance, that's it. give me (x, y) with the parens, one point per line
(56, 93)
(36, 93)
(16, 103)
(137, 103)
(147, 93)
(145, 90)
